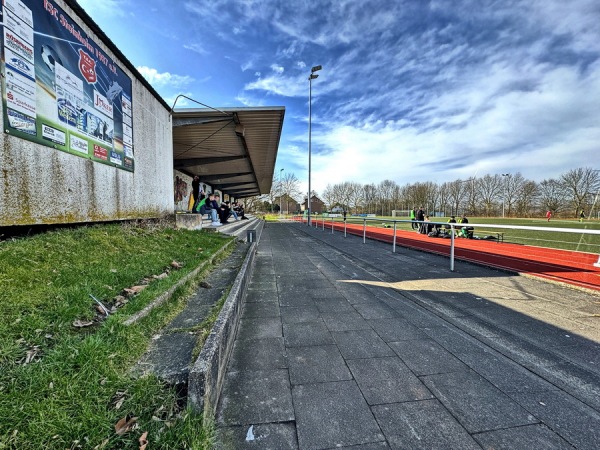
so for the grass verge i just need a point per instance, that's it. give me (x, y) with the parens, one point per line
(66, 386)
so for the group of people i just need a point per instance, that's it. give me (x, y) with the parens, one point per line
(419, 222)
(212, 206)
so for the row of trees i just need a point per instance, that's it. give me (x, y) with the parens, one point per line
(490, 195)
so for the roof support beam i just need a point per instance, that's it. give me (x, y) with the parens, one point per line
(240, 184)
(184, 121)
(251, 191)
(187, 162)
(222, 176)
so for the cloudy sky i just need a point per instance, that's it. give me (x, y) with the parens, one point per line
(410, 90)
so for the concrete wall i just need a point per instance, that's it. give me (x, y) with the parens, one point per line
(41, 185)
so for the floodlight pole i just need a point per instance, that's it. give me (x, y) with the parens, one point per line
(504, 193)
(311, 77)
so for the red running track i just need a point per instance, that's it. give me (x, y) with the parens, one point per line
(571, 267)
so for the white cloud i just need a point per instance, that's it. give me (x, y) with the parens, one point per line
(158, 79)
(277, 69)
(106, 8)
(195, 47)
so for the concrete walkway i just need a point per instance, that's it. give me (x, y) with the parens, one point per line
(347, 345)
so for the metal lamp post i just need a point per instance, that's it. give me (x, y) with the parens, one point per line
(311, 77)
(504, 194)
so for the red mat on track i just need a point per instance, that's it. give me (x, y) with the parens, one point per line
(575, 268)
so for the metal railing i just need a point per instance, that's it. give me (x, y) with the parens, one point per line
(452, 232)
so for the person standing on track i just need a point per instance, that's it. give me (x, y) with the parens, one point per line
(420, 218)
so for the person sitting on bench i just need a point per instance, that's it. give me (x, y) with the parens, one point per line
(204, 207)
(466, 232)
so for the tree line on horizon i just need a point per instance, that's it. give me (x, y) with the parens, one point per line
(511, 195)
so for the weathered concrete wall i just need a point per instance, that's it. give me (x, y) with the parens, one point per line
(41, 185)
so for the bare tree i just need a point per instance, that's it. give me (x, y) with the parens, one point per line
(385, 190)
(490, 190)
(579, 183)
(370, 197)
(457, 191)
(290, 186)
(356, 198)
(329, 196)
(526, 198)
(552, 195)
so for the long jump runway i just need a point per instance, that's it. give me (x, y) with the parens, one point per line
(563, 266)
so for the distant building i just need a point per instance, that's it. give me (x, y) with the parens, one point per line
(316, 205)
(287, 204)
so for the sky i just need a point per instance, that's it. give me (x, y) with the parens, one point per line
(410, 90)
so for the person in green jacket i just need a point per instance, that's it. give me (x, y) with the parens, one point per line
(204, 207)
(413, 213)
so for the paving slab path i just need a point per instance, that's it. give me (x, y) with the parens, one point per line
(348, 345)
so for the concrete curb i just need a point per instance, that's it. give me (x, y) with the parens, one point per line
(169, 293)
(206, 377)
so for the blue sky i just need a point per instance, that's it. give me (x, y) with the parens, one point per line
(410, 90)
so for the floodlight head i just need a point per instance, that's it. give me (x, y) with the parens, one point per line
(313, 76)
(314, 69)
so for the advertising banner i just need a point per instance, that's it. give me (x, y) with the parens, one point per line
(61, 90)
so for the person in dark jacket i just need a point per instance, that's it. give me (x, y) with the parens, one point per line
(196, 192)
(205, 207)
(420, 217)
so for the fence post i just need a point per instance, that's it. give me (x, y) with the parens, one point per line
(394, 246)
(332, 225)
(451, 248)
(344, 228)
(364, 231)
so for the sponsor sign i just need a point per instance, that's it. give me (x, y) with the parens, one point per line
(68, 81)
(127, 131)
(18, 8)
(54, 135)
(61, 89)
(20, 84)
(78, 144)
(116, 158)
(14, 61)
(20, 102)
(21, 122)
(14, 42)
(128, 162)
(102, 104)
(17, 25)
(127, 120)
(126, 106)
(100, 152)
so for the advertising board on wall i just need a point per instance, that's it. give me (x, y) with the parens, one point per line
(60, 89)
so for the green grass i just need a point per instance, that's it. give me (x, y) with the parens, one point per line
(66, 387)
(550, 239)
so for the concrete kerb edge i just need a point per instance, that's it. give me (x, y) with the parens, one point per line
(207, 375)
(169, 293)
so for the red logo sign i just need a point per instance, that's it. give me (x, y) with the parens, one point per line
(100, 152)
(87, 67)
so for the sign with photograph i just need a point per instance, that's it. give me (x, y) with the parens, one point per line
(61, 90)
